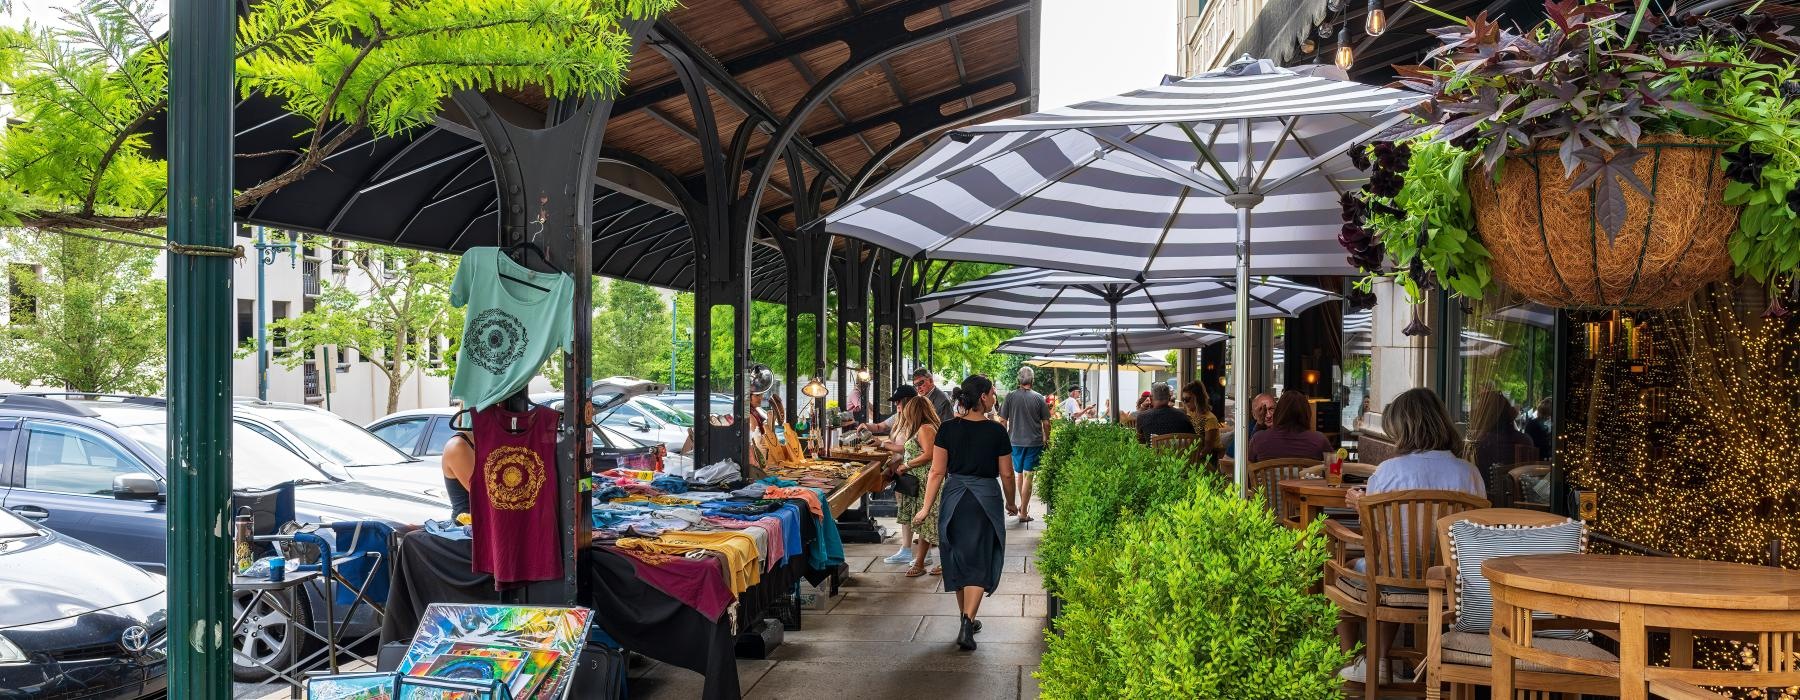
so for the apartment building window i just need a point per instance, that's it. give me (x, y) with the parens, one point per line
(246, 321)
(278, 338)
(21, 303)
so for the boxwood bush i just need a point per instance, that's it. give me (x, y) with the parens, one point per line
(1106, 478)
(1059, 453)
(1203, 597)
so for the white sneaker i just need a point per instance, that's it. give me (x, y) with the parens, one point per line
(1359, 670)
(904, 556)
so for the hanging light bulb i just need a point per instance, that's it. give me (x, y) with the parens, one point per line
(1375, 23)
(814, 388)
(862, 375)
(1308, 46)
(1346, 56)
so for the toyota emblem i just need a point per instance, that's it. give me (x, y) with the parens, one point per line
(135, 639)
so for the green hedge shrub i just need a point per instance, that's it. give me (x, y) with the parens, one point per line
(1064, 436)
(1205, 597)
(1108, 479)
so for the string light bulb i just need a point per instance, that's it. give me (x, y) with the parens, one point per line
(1375, 23)
(1308, 46)
(1346, 56)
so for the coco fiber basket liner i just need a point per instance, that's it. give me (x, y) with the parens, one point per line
(1547, 245)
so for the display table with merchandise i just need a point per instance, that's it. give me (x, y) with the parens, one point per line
(672, 573)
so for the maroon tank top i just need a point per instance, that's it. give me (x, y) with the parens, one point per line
(512, 497)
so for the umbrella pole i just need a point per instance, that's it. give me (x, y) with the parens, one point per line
(1243, 201)
(1112, 354)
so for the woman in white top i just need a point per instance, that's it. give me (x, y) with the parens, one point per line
(1425, 442)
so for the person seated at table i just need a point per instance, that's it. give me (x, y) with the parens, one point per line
(1262, 412)
(1539, 427)
(1198, 406)
(1496, 445)
(1290, 433)
(1160, 418)
(458, 464)
(1425, 443)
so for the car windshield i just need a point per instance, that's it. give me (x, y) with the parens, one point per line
(14, 527)
(342, 442)
(664, 411)
(256, 461)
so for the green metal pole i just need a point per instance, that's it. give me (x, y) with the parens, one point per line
(200, 338)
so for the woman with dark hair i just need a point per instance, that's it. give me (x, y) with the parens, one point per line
(1198, 405)
(1290, 432)
(970, 452)
(1497, 443)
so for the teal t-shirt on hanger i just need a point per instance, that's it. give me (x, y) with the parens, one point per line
(510, 326)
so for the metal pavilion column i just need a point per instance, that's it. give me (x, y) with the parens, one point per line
(807, 255)
(546, 181)
(851, 274)
(200, 298)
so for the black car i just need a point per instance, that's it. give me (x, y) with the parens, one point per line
(76, 622)
(93, 469)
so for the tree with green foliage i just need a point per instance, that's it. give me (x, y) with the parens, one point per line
(396, 322)
(631, 335)
(83, 314)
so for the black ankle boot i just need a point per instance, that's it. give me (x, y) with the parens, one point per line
(974, 627)
(966, 638)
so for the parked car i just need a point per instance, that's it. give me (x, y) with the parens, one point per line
(94, 470)
(422, 433)
(649, 420)
(76, 621)
(342, 448)
(684, 401)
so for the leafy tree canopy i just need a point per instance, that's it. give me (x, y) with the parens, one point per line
(82, 314)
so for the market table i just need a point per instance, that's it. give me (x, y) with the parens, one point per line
(851, 492)
(1684, 596)
(1312, 496)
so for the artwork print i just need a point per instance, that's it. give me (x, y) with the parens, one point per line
(495, 340)
(560, 630)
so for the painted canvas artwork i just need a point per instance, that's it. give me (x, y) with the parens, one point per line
(504, 631)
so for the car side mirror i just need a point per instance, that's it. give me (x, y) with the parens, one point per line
(638, 422)
(137, 487)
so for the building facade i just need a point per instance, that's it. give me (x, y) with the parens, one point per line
(340, 380)
(1210, 29)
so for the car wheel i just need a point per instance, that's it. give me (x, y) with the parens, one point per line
(265, 639)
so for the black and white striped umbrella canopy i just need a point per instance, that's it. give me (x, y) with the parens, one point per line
(1112, 187)
(1036, 298)
(1093, 341)
(1359, 331)
(1142, 362)
(1227, 172)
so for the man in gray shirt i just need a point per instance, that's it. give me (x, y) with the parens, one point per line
(1027, 417)
(927, 387)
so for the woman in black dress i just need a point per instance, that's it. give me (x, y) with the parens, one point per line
(971, 451)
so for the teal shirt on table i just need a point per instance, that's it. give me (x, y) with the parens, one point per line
(509, 328)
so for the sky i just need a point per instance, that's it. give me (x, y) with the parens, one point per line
(1083, 54)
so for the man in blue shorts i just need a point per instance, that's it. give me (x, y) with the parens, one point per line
(1027, 418)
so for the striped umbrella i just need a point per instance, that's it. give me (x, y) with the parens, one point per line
(1035, 298)
(1142, 362)
(1358, 332)
(1097, 341)
(1138, 186)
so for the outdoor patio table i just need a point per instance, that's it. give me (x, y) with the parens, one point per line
(1685, 596)
(1312, 497)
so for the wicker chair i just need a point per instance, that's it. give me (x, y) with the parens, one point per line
(1187, 443)
(1463, 659)
(1514, 484)
(1399, 545)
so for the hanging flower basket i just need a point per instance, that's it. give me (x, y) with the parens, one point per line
(1548, 245)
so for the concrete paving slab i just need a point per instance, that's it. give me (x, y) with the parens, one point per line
(859, 657)
(893, 582)
(1021, 582)
(826, 680)
(670, 682)
(1028, 686)
(856, 628)
(944, 628)
(1037, 606)
(893, 603)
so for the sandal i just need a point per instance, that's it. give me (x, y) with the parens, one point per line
(937, 571)
(916, 571)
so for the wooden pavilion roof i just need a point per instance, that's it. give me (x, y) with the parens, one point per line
(434, 189)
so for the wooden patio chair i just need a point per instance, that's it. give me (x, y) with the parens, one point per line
(1463, 660)
(1515, 485)
(1188, 443)
(1266, 474)
(1399, 545)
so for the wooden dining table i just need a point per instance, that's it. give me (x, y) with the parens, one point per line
(1688, 597)
(1305, 499)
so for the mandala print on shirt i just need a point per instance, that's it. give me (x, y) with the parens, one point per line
(497, 340)
(514, 475)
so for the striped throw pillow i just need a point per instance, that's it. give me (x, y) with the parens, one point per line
(1473, 544)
